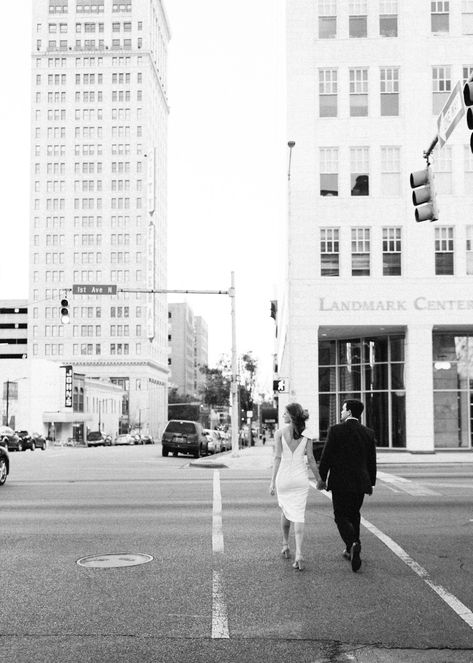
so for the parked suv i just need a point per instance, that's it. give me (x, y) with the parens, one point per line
(185, 437)
(98, 439)
(9, 439)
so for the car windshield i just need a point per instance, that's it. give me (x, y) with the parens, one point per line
(96, 435)
(180, 427)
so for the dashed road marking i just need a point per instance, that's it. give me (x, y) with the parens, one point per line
(452, 601)
(219, 606)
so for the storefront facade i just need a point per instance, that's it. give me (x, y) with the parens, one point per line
(409, 358)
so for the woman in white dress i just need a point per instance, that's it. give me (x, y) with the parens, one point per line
(290, 476)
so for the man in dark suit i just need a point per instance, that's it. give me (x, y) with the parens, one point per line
(349, 460)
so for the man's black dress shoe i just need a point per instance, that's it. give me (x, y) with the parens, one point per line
(346, 554)
(355, 556)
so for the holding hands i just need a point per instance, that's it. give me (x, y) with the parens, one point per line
(321, 485)
(271, 487)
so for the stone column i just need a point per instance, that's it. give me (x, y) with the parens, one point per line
(419, 389)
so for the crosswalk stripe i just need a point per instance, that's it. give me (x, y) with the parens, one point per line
(219, 607)
(405, 485)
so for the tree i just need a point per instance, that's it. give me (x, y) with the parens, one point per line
(216, 390)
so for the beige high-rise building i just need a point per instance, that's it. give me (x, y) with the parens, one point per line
(98, 202)
(188, 349)
(378, 306)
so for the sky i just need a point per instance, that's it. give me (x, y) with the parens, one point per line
(227, 159)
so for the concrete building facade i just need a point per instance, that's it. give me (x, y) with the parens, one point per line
(376, 306)
(98, 203)
(13, 329)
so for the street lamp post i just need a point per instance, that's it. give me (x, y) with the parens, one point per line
(290, 145)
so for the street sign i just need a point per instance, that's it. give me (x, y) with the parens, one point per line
(450, 115)
(92, 289)
(280, 385)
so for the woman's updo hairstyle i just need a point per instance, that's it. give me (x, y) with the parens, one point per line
(298, 417)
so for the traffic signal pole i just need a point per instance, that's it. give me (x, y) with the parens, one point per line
(231, 292)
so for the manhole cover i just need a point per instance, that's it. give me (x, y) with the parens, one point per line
(114, 560)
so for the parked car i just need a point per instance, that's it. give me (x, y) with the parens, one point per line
(124, 438)
(214, 441)
(27, 440)
(4, 465)
(39, 441)
(137, 438)
(147, 439)
(186, 437)
(98, 439)
(9, 439)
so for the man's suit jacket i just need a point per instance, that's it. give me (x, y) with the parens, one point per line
(349, 458)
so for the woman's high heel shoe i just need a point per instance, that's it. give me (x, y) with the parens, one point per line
(299, 564)
(285, 551)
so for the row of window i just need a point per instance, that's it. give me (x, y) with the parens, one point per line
(88, 203)
(88, 150)
(356, 21)
(117, 78)
(87, 167)
(389, 170)
(88, 96)
(89, 114)
(117, 26)
(87, 186)
(357, 85)
(89, 61)
(122, 131)
(84, 222)
(86, 330)
(361, 249)
(50, 312)
(89, 44)
(57, 349)
(88, 276)
(88, 7)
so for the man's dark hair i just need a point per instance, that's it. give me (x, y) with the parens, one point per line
(356, 407)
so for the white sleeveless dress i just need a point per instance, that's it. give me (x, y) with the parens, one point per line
(292, 480)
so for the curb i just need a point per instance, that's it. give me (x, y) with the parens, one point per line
(208, 464)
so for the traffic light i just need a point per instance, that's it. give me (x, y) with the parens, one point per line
(468, 99)
(64, 310)
(423, 196)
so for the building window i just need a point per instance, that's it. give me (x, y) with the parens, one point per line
(328, 92)
(441, 87)
(439, 15)
(444, 250)
(360, 251)
(467, 17)
(359, 171)
(469, 250)
(452, 357)
(391, 171)
(443, 170)
(370, 369)
(389, 88)
(392, 251)
(358, 92)
(329, 171)
(327, 19)
(388, 10)
(358, 18)
(468, 158)
(329, 252)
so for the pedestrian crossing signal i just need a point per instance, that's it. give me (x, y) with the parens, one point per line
(280, 385)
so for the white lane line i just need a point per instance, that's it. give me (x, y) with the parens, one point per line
(455, 604)
(217, 528)
(219, 606)
(405, 485)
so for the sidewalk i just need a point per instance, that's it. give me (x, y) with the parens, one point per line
(261, 458)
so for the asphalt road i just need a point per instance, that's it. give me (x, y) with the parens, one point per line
(217, 588)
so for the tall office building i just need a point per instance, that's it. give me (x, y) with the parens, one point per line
(188, 349)
(379, 306)
(98, 203)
